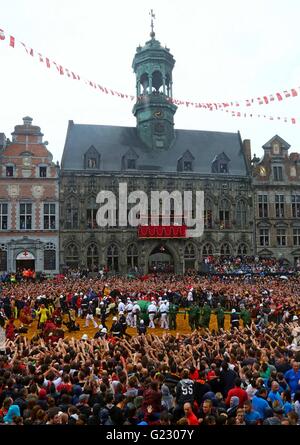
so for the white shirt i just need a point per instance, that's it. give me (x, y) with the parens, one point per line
(163, 308)
(121, 307)
(128, 307)
(136, 309)
(152, 308)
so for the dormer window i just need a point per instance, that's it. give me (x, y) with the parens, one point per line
(186, 162)
(220, 164)
(131, 164)
(129, 160)
(43, 172)
(92, 158)
(9, 170)
(92, 163)
(223, 168)
(187, 166)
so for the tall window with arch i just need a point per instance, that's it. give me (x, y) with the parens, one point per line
(225, 249)
(113, 258)
(208, 214)
(224, 214)
(242, 249)
(241, 214)
(207, 250)
(49, 256)
(92, 257)
(72, 213)
(91, 212)
(132, 257)
(189, 256)
(72, 256)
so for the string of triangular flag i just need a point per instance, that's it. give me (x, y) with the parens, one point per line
(211, 106)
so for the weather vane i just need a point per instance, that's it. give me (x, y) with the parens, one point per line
(152, 15)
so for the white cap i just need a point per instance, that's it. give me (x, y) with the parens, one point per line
(121, 312)
(295, 318)
(141, 321)
(233, 311)
(115, 319)
(85, 337)
(100, 326)
(104, 330)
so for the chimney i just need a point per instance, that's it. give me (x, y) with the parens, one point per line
(2, 141)
(27, 121)
(247, 151)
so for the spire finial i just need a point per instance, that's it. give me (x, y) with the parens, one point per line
(152, 15)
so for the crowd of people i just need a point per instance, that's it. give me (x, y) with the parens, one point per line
(245, 374)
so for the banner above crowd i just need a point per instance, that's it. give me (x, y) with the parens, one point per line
(211, 106)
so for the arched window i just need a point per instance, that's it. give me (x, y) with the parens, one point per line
(3, 258)
(207, 249)
(225, 249)
(92, 258)
(49, 256)
(208, 213)
(157, 81)
(224, 214)
(189, 251)
(144, 82)
(91, 212)
(132, 256)
(72, 256)
(113, 258)
(189, 256)
(242, 249)
(72, 213)
(241, 214)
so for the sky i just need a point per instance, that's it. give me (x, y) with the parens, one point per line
(224, 51)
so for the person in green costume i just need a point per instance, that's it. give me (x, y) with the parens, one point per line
(173, 309)
(220, 316)
(194, 314)
(206, 313)
(245, 316)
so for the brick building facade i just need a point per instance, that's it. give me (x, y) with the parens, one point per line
(276, 191)
(29, 202)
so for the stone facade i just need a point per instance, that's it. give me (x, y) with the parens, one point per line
(29, 202)
(276, 191)
(153, 156)
(120, 248)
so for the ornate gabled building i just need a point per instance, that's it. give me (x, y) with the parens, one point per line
(276, 189)
(29, 202)
(153, 156)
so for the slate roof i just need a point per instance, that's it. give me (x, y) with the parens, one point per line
(113, 142)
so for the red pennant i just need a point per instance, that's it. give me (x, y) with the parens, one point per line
(29, 51)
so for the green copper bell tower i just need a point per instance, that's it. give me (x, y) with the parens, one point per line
(154, 110)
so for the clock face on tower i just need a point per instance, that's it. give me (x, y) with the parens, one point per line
(158, 114)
